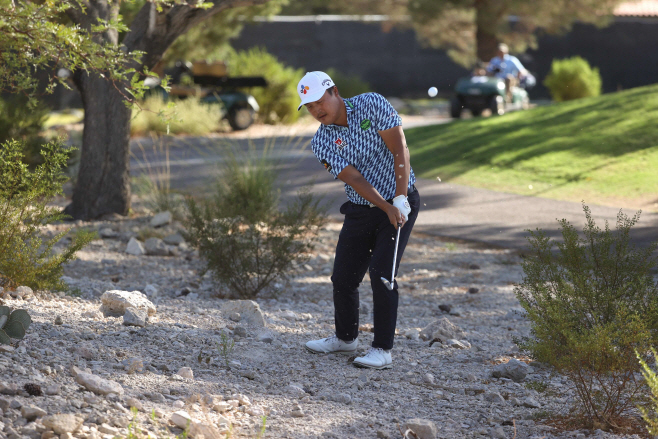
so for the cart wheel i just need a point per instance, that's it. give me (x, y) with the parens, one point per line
(240, 118)
(456, 107)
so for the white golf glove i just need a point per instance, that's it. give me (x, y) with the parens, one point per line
(402, 204)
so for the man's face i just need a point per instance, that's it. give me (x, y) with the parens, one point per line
(500, 54)
(326, 109)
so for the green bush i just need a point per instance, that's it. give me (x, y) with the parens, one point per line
(591, 305)
(246, 240)
(185, 116)
(651, 378)
(348, 85)
(279, 100)
(26, 257)
(19, 122)
(572, 78)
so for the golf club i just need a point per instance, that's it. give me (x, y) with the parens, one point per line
(388, 284)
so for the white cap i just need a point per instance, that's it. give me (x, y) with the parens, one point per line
(312, 87)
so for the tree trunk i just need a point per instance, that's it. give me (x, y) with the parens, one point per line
(486, 24)
(103, 184)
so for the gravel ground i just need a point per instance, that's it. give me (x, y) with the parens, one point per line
(269, 373)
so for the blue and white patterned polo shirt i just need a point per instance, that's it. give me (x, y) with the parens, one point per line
(360, 145)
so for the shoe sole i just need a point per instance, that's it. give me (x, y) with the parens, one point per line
(332, 352)
(367, 366)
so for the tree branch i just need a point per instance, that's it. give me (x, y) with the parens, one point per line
(153, 32)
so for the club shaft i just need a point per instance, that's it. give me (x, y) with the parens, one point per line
(395, 255)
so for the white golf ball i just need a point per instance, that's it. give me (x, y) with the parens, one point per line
(432, 91)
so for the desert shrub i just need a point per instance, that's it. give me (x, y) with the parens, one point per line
(18, 121)
(279, 100)
(26, 256)
(591, 305)
(184, 116)
(247, 242)
(572, 78)
(348, 85)
(650, 416)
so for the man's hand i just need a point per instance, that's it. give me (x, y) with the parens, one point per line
(402, 203)
(394, 216)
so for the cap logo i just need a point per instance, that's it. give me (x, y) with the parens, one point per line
(326, 82)
(304, 89)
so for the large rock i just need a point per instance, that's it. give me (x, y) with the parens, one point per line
(249, 311)
(442, 330)
(97, 384)
(115, 302)
(514, 369)
(135, 317)
(156, 247)
(161, 219)
(63, 423)
(423, 428)
(175, 239)
(31, 412)
(135, 247)
(181, 419)
(21, 292)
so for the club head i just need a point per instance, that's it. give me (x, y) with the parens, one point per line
(388, 284)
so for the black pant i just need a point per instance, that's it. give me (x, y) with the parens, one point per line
(367, 241)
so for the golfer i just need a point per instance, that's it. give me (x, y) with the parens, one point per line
(361, 142)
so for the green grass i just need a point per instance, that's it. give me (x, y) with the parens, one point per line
(603, 150)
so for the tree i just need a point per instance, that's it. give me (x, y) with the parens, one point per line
(108, 59)
(470, 30)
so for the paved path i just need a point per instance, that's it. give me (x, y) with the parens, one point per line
(448, 210)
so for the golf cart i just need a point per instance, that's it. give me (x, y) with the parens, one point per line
(478, 93)
(211, 83)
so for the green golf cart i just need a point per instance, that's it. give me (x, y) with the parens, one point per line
(478, 93)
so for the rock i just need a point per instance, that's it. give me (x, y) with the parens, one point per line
(134, 402)
(8, 388)
(52, 389)
(342, 398)
(240, 331)
(494, 397)
(86, 352)
(15, 404)
(381, 434)
(364, 309)
(151, 290)
(4, 404)
(498, 433)
(424, 429)
(412, 334)
(297, 413)
(428, 378)
(442, 330)
(473, 290)
(107, 429)
(98, 385)
(294, 390)
(174, 239)
(201, 429)
(93, 314)
(21, 292)
(115, 302)
(221, 407)
(235, 316)
(135, 247)
(249, 311)
(514, 369)
(135, 317)
(161, 219)
(265, 337)
(186, 372)
(59, 320)
(63, 423)
(531, 403)
(178, 404)
(181, 419)
(456, 344)
(156, 247)
(445, 307)
(107, 233)
(474, 267)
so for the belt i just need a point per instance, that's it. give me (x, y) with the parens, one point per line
(409, 192)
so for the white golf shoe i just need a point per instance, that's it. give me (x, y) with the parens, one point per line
(375, 358)
(332, 344)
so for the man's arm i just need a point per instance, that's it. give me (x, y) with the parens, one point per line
(397, 144)
(351, 176)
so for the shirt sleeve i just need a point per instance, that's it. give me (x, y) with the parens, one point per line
(331, 161)
(517, 63)
(495, 62)
(384, 116)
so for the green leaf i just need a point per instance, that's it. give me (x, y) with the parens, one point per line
(4, 338)
(14, 330)
(5, 311)
(20, 316)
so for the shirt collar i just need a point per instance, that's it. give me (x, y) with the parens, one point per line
(349, 105)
